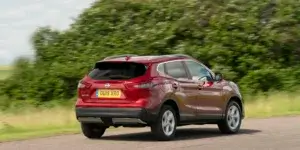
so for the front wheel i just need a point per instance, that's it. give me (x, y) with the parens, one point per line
(165, 127)
(232, 122)
(92, 130)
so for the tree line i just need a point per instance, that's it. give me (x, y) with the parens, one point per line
(255, 43)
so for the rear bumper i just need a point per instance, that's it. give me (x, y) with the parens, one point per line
(115, 116)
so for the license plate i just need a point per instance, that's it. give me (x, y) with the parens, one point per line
(108, 93)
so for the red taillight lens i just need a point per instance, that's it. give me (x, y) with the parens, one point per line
(83, 89)
(146, 85)
(83, 85)
(80, 85)
(139, 85)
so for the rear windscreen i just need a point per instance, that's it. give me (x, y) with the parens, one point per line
(117, 71)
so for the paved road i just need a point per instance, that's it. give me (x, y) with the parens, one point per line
(260, 134)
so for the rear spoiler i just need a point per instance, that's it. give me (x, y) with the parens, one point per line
(119, 56)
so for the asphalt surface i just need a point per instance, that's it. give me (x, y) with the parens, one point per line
(261, 134)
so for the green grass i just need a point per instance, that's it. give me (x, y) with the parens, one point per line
(277, 104)
(26, 133)
(5, 72)
(37, 123)
(41, 122)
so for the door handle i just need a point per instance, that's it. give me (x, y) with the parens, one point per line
(200, 87)
(175, 85)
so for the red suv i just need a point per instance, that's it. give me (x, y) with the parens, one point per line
(162, 92)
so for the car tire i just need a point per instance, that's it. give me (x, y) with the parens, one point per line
(92, 130)
(233, 119)
(164, 128)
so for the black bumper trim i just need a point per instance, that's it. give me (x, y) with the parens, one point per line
(108, 114)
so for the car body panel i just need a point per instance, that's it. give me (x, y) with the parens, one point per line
(195, 100)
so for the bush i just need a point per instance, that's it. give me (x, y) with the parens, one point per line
(255, 43)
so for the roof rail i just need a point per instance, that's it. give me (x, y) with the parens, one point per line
(179, 55)
(119, 56)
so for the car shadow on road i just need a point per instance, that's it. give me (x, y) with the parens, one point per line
(182, 134)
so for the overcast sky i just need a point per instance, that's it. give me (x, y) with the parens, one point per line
(19, 18)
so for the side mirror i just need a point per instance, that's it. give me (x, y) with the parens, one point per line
(218, 76)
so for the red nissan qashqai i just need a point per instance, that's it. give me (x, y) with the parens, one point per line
(161, 92)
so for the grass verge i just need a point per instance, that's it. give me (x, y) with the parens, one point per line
(26, 133)
(38, 122)
(273, 104)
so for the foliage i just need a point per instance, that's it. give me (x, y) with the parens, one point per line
(255, 43)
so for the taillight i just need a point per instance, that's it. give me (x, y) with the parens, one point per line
(140, 85)
(80, 85)
(83, 85)
(83, 89)
(146, 85)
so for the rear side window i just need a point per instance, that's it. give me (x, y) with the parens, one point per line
(176, 69)
(160, 68)
(117, 71)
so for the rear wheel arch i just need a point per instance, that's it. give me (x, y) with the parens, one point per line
(174, 105)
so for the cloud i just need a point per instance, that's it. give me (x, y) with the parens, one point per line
(18, 20)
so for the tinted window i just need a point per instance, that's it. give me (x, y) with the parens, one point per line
(117, 71)
(176, 69)
(198, 70)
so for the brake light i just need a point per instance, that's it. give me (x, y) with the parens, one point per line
(140, 85)
(147, 85)
(83, 89)
(80, 85)
(83, 85)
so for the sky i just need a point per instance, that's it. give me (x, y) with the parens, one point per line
(19, 19)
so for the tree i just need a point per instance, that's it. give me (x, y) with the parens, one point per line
(255, 43)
